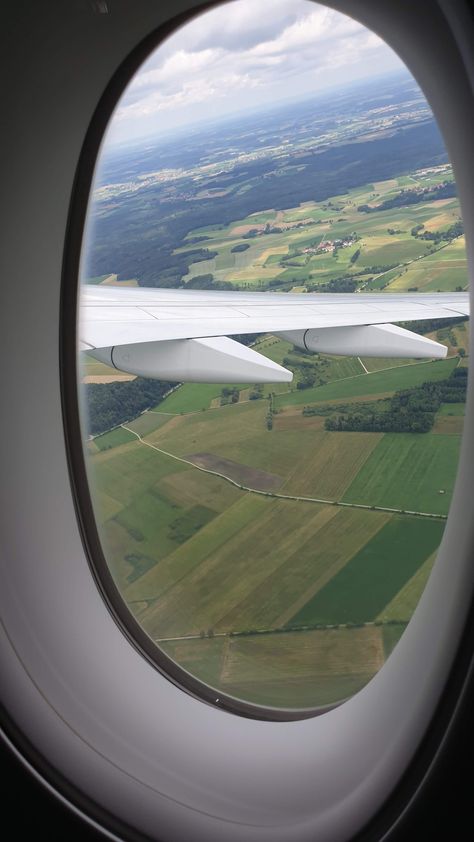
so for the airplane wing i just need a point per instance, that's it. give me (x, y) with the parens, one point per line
(185, 334)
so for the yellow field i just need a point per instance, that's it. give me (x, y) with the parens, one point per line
(108, 505)
(385, 186)
(329, 466)
(448, 425)
(93, 371)
(266, 254)
(295, 420)
(108, 378)
(313, 667)
(440, 220)
(255, 273)
(112, 281)
(376, 242)
(334, 651)
(440, 203)
(404, 603)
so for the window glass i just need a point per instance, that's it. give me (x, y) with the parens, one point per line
(273, 538)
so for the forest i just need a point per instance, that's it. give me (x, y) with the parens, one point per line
(408, 411)
(111, 404)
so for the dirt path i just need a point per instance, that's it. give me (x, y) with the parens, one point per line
(278, 495)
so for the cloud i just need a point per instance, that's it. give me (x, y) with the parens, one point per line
(176, 68)
(237, 26)
(190, 92)
(312, 29)
(236, 54)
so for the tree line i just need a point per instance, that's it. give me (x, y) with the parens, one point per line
(408, 411)
(455, 230)
(446, 190)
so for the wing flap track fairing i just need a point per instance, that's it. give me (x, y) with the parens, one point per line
(209, 360)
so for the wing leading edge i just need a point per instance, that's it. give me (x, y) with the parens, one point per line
(184, 335)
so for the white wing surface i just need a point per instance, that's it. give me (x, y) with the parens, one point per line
(183, 334)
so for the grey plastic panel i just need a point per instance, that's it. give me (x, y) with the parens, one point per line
(165, 763)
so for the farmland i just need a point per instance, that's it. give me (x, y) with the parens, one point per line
(329, 665)
(310, 245)
(408, 471)
(274, 600)
(281, 563)
(388, 380)
(381, 568)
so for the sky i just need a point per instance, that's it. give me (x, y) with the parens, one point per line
(244, 55)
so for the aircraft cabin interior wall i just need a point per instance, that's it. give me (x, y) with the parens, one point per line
(98, 743)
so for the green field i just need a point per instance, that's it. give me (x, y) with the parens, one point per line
(148, 422)
(455, 409)
(191, 397)
(408, 471)
(398, 252)
(381, 382)
(113, 439)
(382, 363)
(374, 575)
(444, 270)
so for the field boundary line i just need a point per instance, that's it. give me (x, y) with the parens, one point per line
(277, 495)
(281, 394)
(285, 630)
(355, 376)
(197, 411)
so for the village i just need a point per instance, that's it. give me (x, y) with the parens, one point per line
(331, 245)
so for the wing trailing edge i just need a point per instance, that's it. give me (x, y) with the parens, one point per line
(183, 335)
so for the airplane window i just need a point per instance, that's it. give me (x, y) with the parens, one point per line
(274, 353)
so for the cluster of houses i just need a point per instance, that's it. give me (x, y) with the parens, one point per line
(329, 245)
